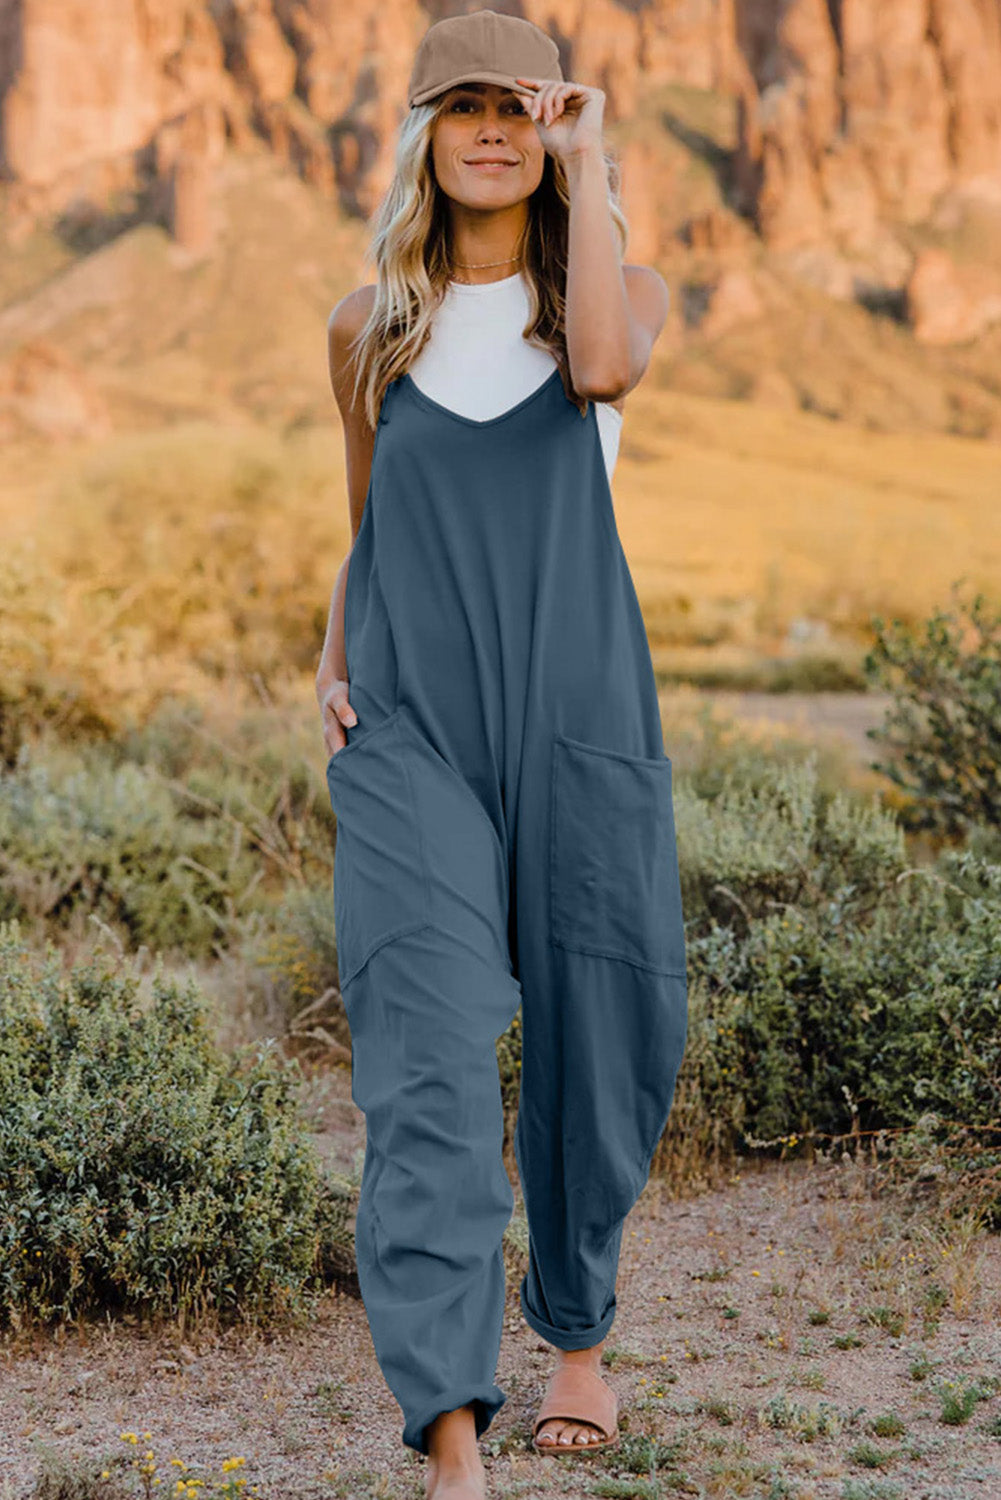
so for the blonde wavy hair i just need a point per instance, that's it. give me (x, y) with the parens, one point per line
(412, 258)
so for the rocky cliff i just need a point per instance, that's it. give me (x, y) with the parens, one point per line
(840, 143)
(852, 112)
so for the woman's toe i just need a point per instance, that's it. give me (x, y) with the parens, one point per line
(569, 1433)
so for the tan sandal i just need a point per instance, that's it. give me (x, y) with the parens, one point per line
(576, 1393)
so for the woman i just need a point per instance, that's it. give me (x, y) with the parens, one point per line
(505, 830)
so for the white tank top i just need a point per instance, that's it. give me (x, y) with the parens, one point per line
(477, 364)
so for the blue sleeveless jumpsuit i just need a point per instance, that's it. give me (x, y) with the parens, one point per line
(505, 836)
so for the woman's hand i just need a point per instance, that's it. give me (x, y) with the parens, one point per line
(336, 711)
(568, 116)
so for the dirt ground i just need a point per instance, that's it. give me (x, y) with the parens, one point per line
(761, 1329)
(842, 717)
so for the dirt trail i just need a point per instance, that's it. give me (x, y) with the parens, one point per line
(845, 715)
(760, 1329)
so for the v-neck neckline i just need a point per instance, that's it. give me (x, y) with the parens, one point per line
(446, 411)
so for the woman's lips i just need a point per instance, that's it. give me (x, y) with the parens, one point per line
(491, 166)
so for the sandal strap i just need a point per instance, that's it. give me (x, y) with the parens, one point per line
(577, 1394)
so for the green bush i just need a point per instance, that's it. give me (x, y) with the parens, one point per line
(297, 945)
(113, 841)
(832, 1019)
(765, 833)
(140, 1167)
(832, 985)
(945, 723)
(171, 847)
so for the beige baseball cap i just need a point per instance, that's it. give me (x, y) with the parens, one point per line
(483, 46)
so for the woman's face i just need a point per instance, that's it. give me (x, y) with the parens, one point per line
(483, 123)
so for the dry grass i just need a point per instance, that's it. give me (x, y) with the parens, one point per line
(172, 561)
(738, 521)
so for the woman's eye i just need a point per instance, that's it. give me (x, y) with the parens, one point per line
(516, 107)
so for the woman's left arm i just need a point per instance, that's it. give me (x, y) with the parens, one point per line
(614, 313)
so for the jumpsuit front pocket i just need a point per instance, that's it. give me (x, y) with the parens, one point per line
(614, 884)
(380, 874)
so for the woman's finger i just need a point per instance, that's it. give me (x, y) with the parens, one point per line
(540, 98)
(336, 704)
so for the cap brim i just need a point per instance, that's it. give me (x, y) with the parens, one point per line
(506, 80)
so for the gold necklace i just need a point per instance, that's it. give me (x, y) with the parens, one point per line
(481, 266)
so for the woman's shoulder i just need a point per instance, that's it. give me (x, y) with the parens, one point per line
(348, 316)
(344, 323)
(649, 296)
(647, 281)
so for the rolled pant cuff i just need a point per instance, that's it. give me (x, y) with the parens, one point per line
(487, 1401)
(584, 1338)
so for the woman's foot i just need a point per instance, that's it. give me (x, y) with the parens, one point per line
(454, 1468)
(457, 1484)
(560, 1429)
